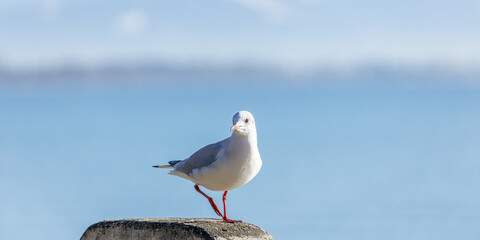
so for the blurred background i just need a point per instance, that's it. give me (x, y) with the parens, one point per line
(367, 112)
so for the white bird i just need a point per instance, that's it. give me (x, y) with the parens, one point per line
(224, 165)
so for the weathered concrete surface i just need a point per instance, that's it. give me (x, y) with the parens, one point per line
(173, 228)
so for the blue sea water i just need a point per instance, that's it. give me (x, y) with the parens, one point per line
(337, 163)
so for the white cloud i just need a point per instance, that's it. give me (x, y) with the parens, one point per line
(275, 11)
(131, 23)
(312, 2)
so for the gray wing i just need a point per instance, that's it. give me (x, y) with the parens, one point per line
(201, 158)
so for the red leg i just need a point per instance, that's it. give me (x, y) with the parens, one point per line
(212, 203)
(225, 219)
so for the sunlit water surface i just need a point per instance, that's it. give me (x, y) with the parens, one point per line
(337, 164)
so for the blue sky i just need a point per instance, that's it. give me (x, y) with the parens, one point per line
(288, 33)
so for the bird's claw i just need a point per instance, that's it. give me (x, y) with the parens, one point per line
(226, 220)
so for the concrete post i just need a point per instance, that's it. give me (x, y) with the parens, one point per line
(173, 228)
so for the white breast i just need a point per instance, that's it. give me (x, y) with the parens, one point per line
(235, 166)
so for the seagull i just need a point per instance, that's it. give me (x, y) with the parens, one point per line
(225, 165)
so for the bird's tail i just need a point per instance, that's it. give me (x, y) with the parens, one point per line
(164, 166)
(169, 166)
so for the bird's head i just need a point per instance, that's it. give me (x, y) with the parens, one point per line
(243, 123)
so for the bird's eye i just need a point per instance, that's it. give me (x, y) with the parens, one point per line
(246, 120)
